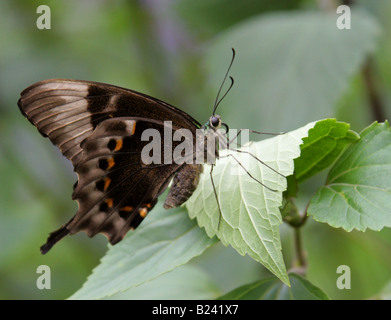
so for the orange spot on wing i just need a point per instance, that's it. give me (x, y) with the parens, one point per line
(143, 212)
(109, 202)
(127, 208)
(107, 181)
(118, 145)
(110, 163)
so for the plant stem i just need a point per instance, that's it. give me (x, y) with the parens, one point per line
(368, 71)
(347, 2)
(292, 215)
(296, 221)
(300, 255)
(375, 102)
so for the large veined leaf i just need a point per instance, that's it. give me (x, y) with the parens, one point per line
(250, 214)
(183, 283)
(321, 148)
(290, 68)
(164, 241)
(270, 289)
(357, 194)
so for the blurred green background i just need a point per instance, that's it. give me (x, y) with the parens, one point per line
(293, 66)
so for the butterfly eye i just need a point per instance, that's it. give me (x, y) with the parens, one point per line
(215, 122)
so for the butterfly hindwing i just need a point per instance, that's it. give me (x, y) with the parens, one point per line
(115, 188)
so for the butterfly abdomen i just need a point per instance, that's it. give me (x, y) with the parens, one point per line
(183, 185)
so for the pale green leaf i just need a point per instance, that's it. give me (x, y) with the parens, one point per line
(166, 239)
(250, 212)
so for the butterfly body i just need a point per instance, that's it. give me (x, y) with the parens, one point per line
(183, 185)
(99, 128)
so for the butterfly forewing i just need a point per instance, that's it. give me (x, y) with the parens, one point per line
(67, 111)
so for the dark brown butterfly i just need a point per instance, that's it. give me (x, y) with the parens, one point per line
(99, 128)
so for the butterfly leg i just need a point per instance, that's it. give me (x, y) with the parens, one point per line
(249, 174)
(215, 193)
(259, 160)
(252, 131)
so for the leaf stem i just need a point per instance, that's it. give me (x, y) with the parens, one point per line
(296, 221)
(300, 255)
(292, 215)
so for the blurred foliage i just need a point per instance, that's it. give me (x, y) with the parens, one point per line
(272, 289)
(178, 51)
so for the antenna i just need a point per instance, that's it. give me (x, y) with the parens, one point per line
(217, 101)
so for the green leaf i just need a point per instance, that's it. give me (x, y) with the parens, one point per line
(321, 148)
(292, 189)
(165, 240)
(290, 68)
(250, 216)
(357, 194)
(271, 289)
(186, 282)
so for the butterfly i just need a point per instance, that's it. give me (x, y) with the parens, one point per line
(99, 127)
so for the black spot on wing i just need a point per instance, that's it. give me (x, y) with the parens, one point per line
(98, 98)
(103, 207)
(100, 185)
(116, 126)
(103, 164)
(112, 144)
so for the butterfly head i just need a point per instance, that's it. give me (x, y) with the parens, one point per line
(215, 122)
